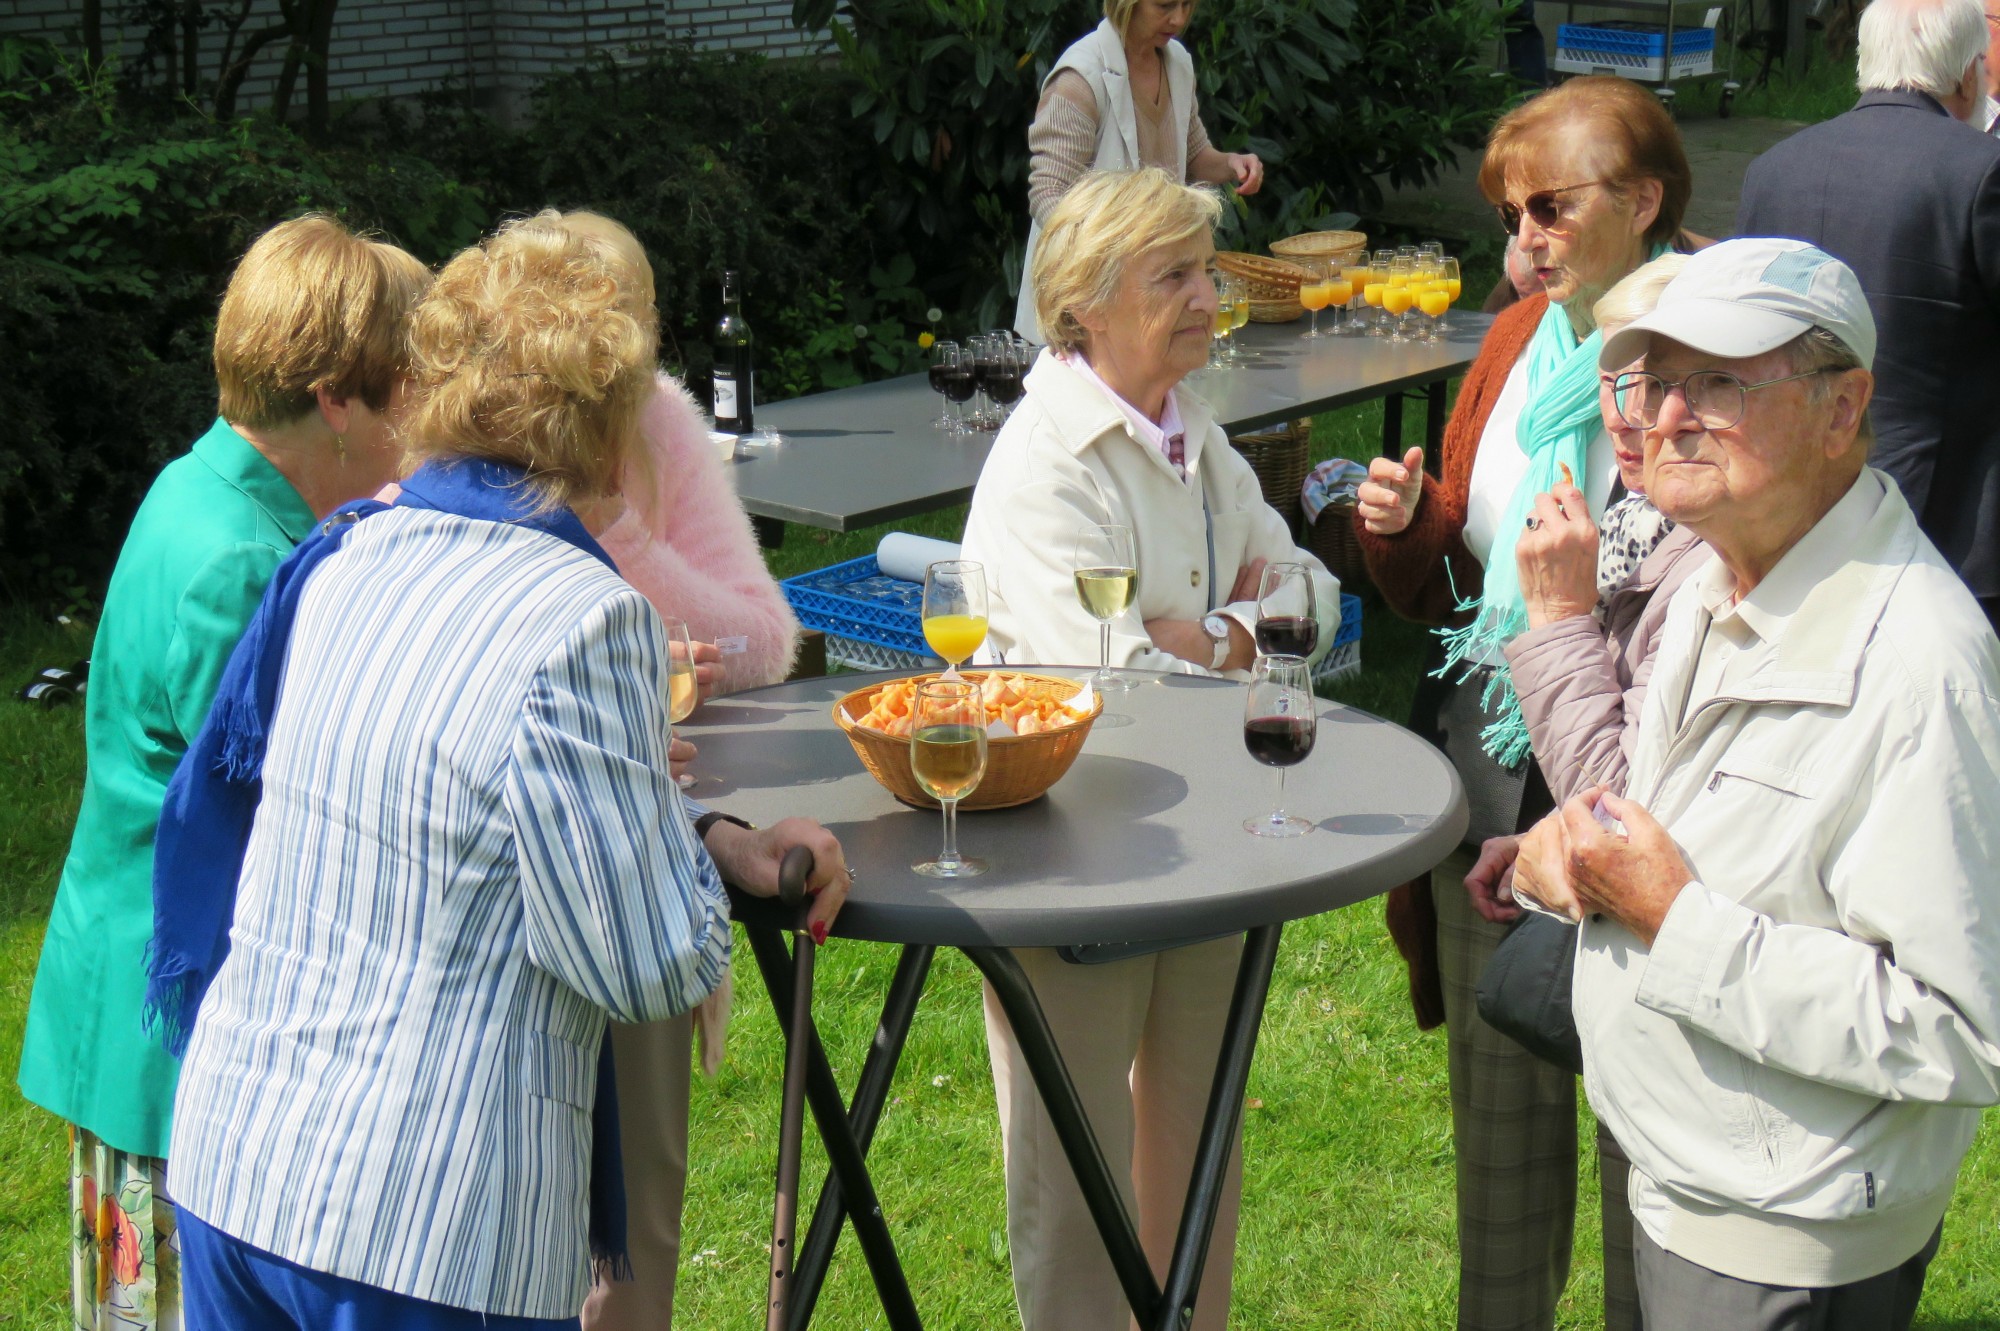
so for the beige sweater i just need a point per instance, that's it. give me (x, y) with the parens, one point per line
(1062, 143)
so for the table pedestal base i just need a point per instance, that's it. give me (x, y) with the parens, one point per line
(848, 1129)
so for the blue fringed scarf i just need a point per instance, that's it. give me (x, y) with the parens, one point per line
(212, 800)
(1555, 431)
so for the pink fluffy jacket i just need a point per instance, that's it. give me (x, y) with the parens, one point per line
(685, 542)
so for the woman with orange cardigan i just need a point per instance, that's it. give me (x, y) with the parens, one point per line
(1591, 181)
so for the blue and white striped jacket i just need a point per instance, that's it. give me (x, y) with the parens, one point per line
(469, 852)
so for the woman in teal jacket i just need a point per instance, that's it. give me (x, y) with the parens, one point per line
(311, 357)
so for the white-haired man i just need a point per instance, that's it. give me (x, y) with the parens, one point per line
(1905, 190)
(1788, 970)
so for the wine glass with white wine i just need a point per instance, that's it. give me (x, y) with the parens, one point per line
(683, 689)
(948, 759)
(1107, 582)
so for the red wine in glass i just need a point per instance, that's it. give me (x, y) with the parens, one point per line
(1003, 383)
(940, 375)
(1279, 741)
(958, 385)
(1287, 635)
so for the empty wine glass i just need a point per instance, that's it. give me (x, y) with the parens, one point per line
(1107, 582)
(948, 758)
(683, 691)
(1280, 723)
(1287, 611)
(954, 611)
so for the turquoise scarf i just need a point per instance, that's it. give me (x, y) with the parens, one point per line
(1555, 430)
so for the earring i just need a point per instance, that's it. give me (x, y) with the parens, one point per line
(340, 447)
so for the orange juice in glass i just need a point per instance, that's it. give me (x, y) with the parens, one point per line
(1314, 293)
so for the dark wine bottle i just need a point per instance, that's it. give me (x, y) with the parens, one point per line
(735, 372)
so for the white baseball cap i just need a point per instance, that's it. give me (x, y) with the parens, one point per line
(1742, 298)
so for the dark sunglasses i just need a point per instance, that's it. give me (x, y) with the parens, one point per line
(1541, 206)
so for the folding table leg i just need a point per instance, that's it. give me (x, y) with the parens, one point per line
(1392, 425)
(1072, 1126)
(871, 1230)
(770, 531)
(1218, 1127)
(864, 1112)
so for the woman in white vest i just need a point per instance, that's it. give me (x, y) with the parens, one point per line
(1121, 97)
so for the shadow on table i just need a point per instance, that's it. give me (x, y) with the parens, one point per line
(1378, 824)
(720, 712)
(770, 766)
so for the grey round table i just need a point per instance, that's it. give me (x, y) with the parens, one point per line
(1141, 843)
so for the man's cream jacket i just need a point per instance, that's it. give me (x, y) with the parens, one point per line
(1797, 1063)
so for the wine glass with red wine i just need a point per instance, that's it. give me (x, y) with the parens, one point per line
(1280, 721)
(1287, 611)
(944, 363)
(959, 387)
(1003, 378)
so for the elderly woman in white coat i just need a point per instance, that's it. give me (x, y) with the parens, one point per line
(1121, 97)
(1104, 435)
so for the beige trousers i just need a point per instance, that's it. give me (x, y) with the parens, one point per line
(655, 1063)
(1140, 1038)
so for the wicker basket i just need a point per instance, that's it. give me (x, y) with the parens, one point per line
(1269, 279)
(1281, 458)
(1332, 538)
(1343, 247)
(1019, 768)
(1276, 311)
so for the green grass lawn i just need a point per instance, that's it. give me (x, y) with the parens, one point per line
(1347, 1194)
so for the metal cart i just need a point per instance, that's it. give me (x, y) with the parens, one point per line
(1662, 51)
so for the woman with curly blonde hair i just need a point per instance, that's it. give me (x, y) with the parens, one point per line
(396, 911)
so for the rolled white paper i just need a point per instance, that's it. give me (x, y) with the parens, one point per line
(902, 555)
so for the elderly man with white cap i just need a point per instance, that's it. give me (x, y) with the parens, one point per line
(1788, 967)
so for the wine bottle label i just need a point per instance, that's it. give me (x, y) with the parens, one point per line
(725, 397)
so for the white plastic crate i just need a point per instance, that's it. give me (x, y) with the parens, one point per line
(1642, 69)
(858, 655)
(1344, 659)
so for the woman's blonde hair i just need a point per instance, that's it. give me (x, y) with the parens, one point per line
(1120, 12)
(313, 305)
(536, 349)
(1637, 293)
(1107, 219)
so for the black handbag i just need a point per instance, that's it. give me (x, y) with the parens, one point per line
(1524, 990)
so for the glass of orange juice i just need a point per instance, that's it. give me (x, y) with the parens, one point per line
(1314, 293)
(1339, 294)
(1448, 271)
(1433, 301)
(954, 611)
(1397, 298)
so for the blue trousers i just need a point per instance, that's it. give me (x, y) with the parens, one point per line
(227, 1285)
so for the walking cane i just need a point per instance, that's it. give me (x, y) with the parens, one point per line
(793, 872)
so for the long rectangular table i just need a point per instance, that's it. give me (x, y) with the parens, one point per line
(860, 456)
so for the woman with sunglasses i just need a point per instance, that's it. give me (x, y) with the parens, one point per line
(1590, 180)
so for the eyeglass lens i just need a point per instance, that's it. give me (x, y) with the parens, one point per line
(1714, 398)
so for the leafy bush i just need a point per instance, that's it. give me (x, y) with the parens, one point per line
(119, 224)
(948, 88)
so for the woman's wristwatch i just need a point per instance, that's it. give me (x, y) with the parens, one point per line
(1217, 629)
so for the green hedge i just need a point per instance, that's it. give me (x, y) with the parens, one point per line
(865, 199)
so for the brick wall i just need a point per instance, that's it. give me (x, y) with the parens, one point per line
(399, 47)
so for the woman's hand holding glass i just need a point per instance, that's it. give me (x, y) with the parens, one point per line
(948, 758)
(1557, 557)
(691, 673)
(1387, 500)
(954, 611)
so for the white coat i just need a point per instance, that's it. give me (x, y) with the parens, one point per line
(1796, 1064)
(1067, 460)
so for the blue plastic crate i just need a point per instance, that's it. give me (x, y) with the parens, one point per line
(856, 600)
(1645, 40)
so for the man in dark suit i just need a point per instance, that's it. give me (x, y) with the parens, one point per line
(1907, 192)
